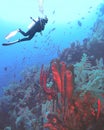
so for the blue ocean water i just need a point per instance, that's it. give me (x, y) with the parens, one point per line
(68, 22)
(17, 57)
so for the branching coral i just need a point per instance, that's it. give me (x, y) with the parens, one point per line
(89, 78)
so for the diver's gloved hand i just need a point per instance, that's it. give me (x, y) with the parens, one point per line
(32, 19)
(19, 30)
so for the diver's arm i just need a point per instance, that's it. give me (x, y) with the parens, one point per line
(33, 19)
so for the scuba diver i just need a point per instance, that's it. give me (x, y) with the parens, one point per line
(36, 26)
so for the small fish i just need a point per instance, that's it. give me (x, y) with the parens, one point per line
(20, 80)
(90, 7)
(35, 47)
(83, 17)
(53, 29)
(54, 12)
(24, 58)
(53, 22)
(5, 68)
(69, 23)
(79, 23)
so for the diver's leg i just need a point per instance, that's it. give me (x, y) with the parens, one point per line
(20, 40)
(26, 39)
(23, 33)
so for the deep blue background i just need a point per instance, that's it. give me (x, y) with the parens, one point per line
(63, 17)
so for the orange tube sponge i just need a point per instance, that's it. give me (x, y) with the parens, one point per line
(56, 76)
(69, 84)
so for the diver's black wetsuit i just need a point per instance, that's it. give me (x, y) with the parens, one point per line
(37, 27)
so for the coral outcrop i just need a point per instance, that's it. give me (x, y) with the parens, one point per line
(66, 95)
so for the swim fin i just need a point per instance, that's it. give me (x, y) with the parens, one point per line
(11, 34)
(10, 43)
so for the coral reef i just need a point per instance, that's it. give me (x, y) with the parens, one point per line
(88, 77)
(93, 46)
(66, 95)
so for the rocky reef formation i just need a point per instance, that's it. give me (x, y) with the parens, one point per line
(63, 97)
(93, 46)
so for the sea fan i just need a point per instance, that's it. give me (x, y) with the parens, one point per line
(82, 70)
(89, 78)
